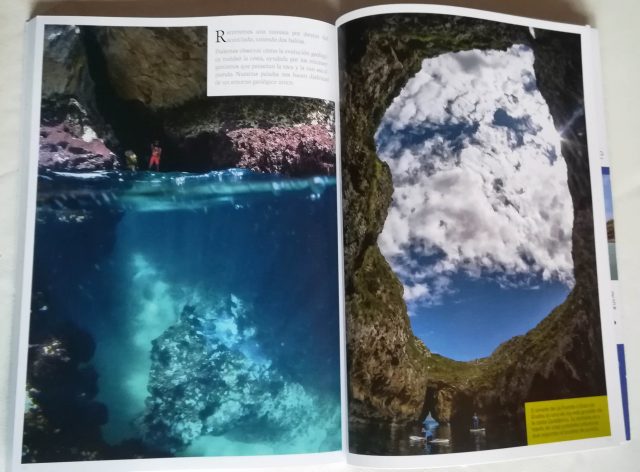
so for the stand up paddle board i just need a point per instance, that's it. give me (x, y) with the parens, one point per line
(432, 441)
(439, 441)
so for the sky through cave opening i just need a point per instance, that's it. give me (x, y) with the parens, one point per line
(479, 229)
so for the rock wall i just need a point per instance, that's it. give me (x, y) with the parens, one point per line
(392, 378)
(282, 132)
(68, 140)
(72, 132)
(138, 85)
(158, 67)
(60, 381)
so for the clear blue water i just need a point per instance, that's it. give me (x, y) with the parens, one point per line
(122, 254)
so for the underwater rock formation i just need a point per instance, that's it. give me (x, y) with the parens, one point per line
(208, 377)
(59, 382)
(559, 358)
(62, 419)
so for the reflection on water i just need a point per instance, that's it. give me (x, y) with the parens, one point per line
(392, 440)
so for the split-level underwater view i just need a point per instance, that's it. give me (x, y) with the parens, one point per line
(185, 274)
(209, 303)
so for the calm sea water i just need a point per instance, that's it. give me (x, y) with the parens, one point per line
(387, 440)
(122, 254)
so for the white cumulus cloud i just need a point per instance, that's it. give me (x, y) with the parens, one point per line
(480, 185)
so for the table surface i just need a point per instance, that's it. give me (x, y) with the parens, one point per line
(617, 21)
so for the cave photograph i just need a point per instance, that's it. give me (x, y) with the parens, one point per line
(470, 271)
(185, 252)
(611, 234)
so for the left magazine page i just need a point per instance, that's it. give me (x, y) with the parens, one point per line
(180, 290)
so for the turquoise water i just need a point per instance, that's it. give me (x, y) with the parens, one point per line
(212, 300)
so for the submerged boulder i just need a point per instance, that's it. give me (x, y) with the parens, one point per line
(209, 377)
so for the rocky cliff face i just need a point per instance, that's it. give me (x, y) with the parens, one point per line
(138, 85)
(68, 138)
(158, 67)
(65, 65)
(72, 132)
(282, 133)
(392, 377)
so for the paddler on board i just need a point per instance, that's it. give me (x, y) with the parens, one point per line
(475, 421)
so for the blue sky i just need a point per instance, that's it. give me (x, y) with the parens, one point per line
(481, 315)
(479, 229)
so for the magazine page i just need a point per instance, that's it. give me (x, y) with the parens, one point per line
(180, 302)
(615, 289)
(479, 323)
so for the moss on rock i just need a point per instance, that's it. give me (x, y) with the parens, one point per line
(392, 376)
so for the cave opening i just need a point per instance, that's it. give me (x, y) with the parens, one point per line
(479, 230)
(133, 126)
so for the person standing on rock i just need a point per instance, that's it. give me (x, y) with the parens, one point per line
(132, 160)
(154, 160)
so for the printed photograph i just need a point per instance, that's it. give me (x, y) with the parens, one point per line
(470, 267)
(185, 275)
(611, 234)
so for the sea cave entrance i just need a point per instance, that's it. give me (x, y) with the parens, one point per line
(479, 230)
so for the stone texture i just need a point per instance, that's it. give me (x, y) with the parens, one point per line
(223, 132)
(64, 65)
(207, 378)
(138, 85)
(158, 67)
(59, 381)
(68, 140)
(300, 150)
(388, 367)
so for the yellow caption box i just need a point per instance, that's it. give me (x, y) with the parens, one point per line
(566, 420)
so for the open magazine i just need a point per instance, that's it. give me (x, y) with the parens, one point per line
(263, 240)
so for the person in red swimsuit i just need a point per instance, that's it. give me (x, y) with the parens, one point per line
(154, 160)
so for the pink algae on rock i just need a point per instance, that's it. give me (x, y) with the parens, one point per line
(297, 150)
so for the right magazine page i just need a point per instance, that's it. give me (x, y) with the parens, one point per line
(475, 240)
